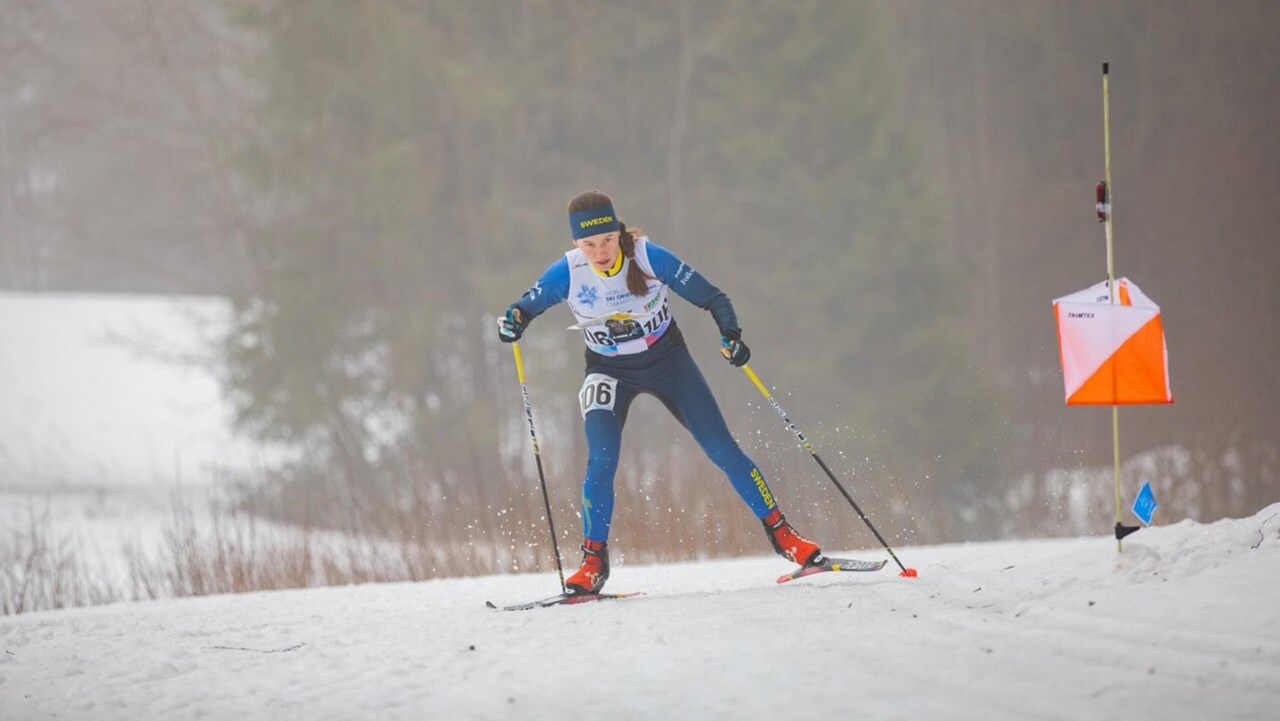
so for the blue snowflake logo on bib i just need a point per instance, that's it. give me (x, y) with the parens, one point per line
(588, 295)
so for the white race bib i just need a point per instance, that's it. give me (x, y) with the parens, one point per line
(599, 392)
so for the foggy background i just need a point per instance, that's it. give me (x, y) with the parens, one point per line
(892, 193)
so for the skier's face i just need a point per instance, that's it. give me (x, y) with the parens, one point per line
(601, 250)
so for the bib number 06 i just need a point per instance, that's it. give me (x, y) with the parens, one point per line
(599, 392)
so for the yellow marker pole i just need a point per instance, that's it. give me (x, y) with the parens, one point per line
(1111, 278)
(537, 457)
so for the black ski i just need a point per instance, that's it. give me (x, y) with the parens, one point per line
(840, 565)
(563, 599)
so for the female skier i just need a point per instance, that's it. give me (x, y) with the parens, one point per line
(615, 282)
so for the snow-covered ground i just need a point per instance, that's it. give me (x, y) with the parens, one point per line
(1182, 625)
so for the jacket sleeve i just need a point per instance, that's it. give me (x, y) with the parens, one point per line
(550, 289)
(692, 286)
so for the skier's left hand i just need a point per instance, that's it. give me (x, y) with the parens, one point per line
(733, 349)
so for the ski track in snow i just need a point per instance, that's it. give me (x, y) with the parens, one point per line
(1182, 625)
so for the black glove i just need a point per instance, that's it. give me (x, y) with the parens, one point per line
(511, 325)
(732, 347)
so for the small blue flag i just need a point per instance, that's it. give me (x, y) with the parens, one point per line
(1145, 504)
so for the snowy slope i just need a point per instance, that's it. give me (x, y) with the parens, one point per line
(113, 391)
(1182, 625)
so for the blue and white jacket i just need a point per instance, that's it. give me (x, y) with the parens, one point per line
(613, 322)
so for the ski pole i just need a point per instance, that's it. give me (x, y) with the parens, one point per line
(907, 572)
(537, 457)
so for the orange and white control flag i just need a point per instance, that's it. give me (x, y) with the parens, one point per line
(1112, 354)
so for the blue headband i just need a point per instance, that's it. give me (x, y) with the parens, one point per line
(592, 221)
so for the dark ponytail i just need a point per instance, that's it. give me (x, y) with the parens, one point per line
(637, 279)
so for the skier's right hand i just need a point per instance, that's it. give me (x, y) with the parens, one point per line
(511, 325)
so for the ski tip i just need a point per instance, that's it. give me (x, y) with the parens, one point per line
(908, 573)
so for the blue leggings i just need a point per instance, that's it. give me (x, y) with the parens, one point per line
(675, 380)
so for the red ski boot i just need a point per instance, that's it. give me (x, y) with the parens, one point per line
(594, 572)
(789, 544)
